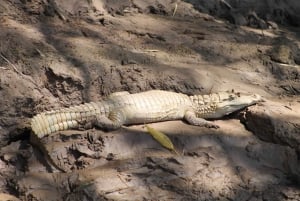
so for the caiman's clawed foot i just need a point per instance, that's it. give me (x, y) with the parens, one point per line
(211, 125)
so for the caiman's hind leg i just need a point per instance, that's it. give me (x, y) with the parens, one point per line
(192, 119)
(114, 121)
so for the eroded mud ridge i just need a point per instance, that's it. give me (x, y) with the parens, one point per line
(57, 54)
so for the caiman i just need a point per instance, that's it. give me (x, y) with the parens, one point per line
(123, 108)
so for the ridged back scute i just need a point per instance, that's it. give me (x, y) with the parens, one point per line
(206, 99)
(148, 100)
(213, 98)
(205, 104)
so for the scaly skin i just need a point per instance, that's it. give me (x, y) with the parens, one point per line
(122, 108)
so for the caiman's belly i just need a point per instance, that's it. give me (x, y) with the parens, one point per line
(157, 114)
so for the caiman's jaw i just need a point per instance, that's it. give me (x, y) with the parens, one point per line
(231, 102)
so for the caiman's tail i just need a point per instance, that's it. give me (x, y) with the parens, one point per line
(68, 118)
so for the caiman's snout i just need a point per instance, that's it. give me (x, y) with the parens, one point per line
(232, 102)
(246, 100)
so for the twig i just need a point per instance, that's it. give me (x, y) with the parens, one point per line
(14, 67)
(57, 10)
(226, 4)
(150, 50)
(40, 53)
(288, 107)
(17, 71)
(292, 88)
(288, 65)
(122, 180)
(115, 190)
(175, 9)
(290, 85)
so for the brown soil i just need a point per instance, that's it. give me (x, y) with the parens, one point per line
(56, 53)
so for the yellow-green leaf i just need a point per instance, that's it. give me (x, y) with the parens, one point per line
(160, 137)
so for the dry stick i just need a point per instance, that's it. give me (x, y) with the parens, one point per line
(20, 73)
(122, 180)
(226, 4)
(151, 50)
(175, 9)
(57, 10)
(291, 86)
(14, 67)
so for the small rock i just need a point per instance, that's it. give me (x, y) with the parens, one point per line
(282, 54)
(238, 19)
(272, 25)
(274, 122)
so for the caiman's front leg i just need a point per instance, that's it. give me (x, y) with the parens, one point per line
(192, 119)
(114, 121)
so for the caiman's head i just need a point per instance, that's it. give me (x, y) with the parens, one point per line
(221, 104)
